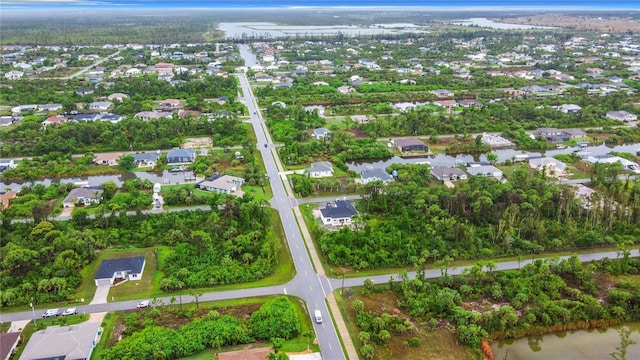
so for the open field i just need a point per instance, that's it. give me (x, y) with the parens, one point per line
(612, 24)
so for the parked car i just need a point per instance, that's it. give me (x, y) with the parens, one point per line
(51, 313)
(70, 311)
(144, 304)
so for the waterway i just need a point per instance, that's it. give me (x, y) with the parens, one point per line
(270, 30)
(503, 155)
(486, 23)
(579, 345)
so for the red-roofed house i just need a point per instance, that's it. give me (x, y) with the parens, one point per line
(163, 65)
(54, 120)
(5, 199)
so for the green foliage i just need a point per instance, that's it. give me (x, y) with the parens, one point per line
(277, 318)
(127, 162)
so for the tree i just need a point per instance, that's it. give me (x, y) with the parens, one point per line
(309, 335)
(127, 162)
(276, 318)
(492, 157)
(625, 341)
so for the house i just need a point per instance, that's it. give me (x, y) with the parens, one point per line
(410, 144)
(111, 270)
(7, 164)
(355, 80)
(133, 71)
(170, 104)
(621, 115)
(361, 119)
(346, 90)
(100, 105)
(611, 159)
(485, 171)
(112, 118)
(535, 89)
(181, 156)
(225, 184)
(162, 66)
(448, 173)
(14, 75)
(84, 196)
(320, 169)
(24, 108)
(375, 174)
(469, 103)
(495, 141)
(117, 97)
(8, 344)
(320, 133)
(53, 120)
(110, 159)
(442, 93)
(86, 117)
(338, 213)
(5, 199)
(50, 107)
(574, 133)
(82, 92)
(568, 108)
(550, 165)
(153, 115)
(146, 159)
(63, 342)
(552, 134)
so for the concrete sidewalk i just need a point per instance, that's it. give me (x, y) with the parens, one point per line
(341, 328)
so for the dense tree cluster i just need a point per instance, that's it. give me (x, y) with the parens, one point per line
(482, 218)
(234, 244)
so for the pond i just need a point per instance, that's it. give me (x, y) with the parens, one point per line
(503, 155)
(579, 344)
(271, 30)
(486, 23)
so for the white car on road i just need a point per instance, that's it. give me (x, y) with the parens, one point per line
(144, 304)
(70, 311)
(51, 313)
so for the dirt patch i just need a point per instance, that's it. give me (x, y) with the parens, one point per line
(245, 354)
(612, 24)
(191, 143)
(357, 133)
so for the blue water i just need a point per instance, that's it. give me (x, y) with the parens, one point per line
(219, 4)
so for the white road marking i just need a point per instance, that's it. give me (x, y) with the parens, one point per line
(330, 347)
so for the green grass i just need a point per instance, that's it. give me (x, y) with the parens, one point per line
(107, 332)
(257, 192)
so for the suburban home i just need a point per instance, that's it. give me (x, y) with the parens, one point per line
(181, 156)
(574, 133)
(447, 104)
(84, 92)
(111, 270)
(5, 199)
(485, 171)
(86, 117)
(442, 93)
(52, 120)
(355, 80)
(410, 144)
(375, 174)
(552, 134)
(621, 115)
(153, 115)
(611, 159)
(63, 342)
(469, 103)
(7, 164)
(320, 169)
(112, 118)
(110, 159)
(8, 344)
(338, 213)
(361, 119)
(146, 159)
(24, 108)
(14, 75)
(50, 107)
(346, 89)
(320, 133)
(84, 196)
(568, 108)
(448, 173)
(225, 184)
(550, 165)
(495, 141)
(535, 90)
(170, 104)
(117, 97)
(100, 105)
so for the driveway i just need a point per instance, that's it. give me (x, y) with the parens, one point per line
(100, 297)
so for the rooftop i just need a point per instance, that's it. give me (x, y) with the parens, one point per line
(109, 267)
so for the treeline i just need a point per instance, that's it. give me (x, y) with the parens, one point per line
(481, 218)
(233, 244)
(276, 319)
(29, 139)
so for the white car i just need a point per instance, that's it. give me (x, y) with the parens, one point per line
(70, 311)
(51, 313)
(144, 304)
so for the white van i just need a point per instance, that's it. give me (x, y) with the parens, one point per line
(318, 317)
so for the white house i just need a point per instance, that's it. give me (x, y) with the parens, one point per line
(621, 115)
(225, 184)
(338, 213)
(100, 105)
(63, 342)
(14, 75)
(84, 195)
(448, 173)
(320, 133)
(375, 174)
(111, 270)
(550, 165)
(485, 171)
(320, 169)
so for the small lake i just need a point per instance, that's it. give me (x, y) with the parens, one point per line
(503, 155)
(270, 30)
(166, 178)
(486, 23)
(572, 345)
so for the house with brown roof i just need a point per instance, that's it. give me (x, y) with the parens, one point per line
(5, 199)
(8, 344)
(110, 159)
(410, 144)
(54, 120)
(170, 104)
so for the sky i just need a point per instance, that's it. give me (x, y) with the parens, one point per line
(195, 4)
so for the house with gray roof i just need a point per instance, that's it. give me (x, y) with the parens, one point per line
(50, 107)
(621, 115)
(181, 156)
(86, 117)
(83, 196)
(146, 159)
(320, 169)
(485, 171)
(448, 173)
(375, 174)
(111, 270)
(338, 213)
(100, 105)
(225, 184)
(74, 342)
(320, 133)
